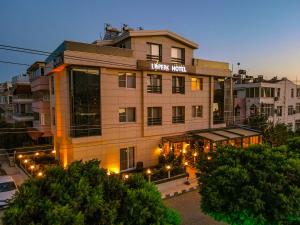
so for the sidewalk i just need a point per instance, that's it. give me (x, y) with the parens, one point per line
(176, 187)
(17, 174)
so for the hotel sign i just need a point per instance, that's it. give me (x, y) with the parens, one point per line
(164, 67)
(168, 68)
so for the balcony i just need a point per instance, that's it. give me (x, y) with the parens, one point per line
(40, 84)
(154, 121)
(178, 119)
(177, 61)
(22, 98)
(154, 58)
(153, 89)
(23, 117)
(178, 90)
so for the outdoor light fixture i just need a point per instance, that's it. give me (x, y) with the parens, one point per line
(108, 173)
(20, 156)
(37, 154)
(126, 176)
(195, 154)
(183, 151)
(32, 167)
(149, 171)
(40, 174)
(53, 151)
(149, 175)
(186, 163)
(169, 171)
(209, 157)
(25, 161)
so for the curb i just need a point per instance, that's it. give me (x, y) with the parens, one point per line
(177, 193)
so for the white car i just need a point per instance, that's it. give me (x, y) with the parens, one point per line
(8, 188)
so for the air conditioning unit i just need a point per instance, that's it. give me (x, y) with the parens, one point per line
(294, 111)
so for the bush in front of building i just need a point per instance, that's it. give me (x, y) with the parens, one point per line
(83, 193)
(260, 185)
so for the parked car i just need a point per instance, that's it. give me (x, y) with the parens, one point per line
(8, 188)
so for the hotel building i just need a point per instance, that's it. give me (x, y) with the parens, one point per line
(125, 98)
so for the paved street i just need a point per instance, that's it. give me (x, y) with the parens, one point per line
(189, 208)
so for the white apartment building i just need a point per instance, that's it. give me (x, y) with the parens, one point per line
(278, 99)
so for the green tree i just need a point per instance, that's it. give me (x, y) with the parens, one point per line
(84, 194)
(260, 185)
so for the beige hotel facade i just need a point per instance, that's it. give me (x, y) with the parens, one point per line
(119, 98)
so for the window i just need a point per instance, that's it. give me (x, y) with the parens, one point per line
(290, 110)
(178, 114)
(42, 119)
(154, 52)
(127, 80)
(278, 92)
(297, 107)
(53, 116)
(267, 92)
(197, 111)
(267, 109)
(297, 125)
(126, 158)
(177, 55)
(127, 114)
(219, 97)
(279, 111)
(154, 83)
(85, 102)
(292, 93)
(197, 83)
(42, 71)
(154, 116)
(298, 92)
(52, 85)
(290, 126)
(178, 85)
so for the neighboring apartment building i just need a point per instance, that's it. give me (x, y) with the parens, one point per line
(118, 99)
(6, 106)
(22, 100)
(41, 102)
(278, 99)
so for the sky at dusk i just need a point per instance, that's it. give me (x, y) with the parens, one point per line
(264, 36)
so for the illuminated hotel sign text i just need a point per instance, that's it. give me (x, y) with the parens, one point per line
(168, 67)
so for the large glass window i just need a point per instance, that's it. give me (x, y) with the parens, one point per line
(154, 116)
(178, 85)
(218, 105)
(177, 55)
(154, 52)
(126, 158)
(52, 84)
(197, 111)
(154, 83)
(85, 102)
(127, 80)
(292, 93)
(178, 114)
(197, 83)
(127, 114)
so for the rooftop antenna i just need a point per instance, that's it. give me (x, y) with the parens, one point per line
(238, 64)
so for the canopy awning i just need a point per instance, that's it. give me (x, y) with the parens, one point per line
(244, 132)
(176, 138)
(227, 134)
(211, 136)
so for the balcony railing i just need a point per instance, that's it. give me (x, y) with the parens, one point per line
(23, 114)
(178, 119)
(177, 61)
(179, 90)
(154, 121)
(154, 57)
(22, 96)
(153, 89)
